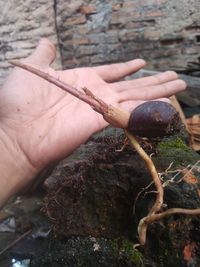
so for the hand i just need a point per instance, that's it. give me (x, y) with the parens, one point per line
(40, 123)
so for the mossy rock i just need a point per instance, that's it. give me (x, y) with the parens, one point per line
(97, 187)
(176, 236)
(90, 199)
(174, 150)
(89, 252)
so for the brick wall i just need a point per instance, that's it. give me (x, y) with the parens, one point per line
(165, 33)
(88, 32)
(22, 23)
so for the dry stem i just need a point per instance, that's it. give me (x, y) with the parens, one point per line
(115, 116)
(99, 107)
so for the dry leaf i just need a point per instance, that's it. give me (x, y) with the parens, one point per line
(189, 177)
(178, 108)
(189, 251)
(194, 131)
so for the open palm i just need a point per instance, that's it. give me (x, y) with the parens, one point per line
(45, 123)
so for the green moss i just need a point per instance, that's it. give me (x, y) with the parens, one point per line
(175, 150)
(89, 252)
(124, 248)
(176, 143)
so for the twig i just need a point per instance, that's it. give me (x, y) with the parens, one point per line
(113, 115)
(99, 107)
(15, 241)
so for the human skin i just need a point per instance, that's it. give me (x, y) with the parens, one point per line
(40, 123)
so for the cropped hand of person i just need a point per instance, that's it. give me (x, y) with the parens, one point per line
(40, 123)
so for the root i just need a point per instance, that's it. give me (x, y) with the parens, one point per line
(154, 213)
(151, 167)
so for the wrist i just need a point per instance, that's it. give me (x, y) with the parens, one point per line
(15, 169)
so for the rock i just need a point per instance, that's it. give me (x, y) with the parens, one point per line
(90, 251)
(95, 199)
(94, 191)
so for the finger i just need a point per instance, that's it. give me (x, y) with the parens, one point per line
(43, 55)
(152, 92)
(132, 104)
(115, 72)
(147, 81)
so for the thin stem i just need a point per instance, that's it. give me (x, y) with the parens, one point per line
(99, 106)
(113, 115)
(150, 165)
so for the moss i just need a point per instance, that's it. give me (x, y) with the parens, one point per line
(175, 150)
(176, 143)
(124, 248)
(88, 252)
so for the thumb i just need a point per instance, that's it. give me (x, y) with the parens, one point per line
(43, 55)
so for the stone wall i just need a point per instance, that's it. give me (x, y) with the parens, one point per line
(88, 32)
(22, 23)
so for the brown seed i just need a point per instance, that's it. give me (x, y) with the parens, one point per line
(154, 119)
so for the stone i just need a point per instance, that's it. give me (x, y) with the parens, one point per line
(94, 200)
(88, 9)
(86, 50)
(76, 19)
(82, 22)
(94, 192)
(23, 23)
